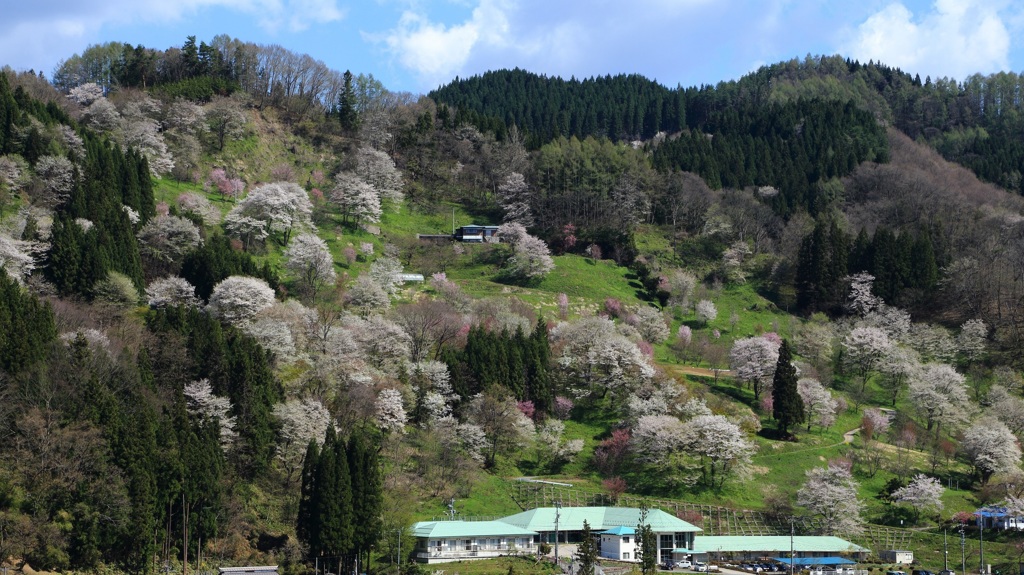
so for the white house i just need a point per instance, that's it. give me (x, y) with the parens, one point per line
(619, 543)
(995, 517)
(898, 556)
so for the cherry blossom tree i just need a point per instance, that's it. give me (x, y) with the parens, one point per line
(597, 358)
(1006, 407)
(378, 169)
(283, 206)
(18, 257)
(383, 343)
(971, 340)
(301, 421)
(830, 494)
(552, 447)
(514, 198)
(505, 428)
(939, 394)
(864, 347)
(923, 493)
(238, 298)
(391, 416)
(650, 323)
(203, 403)
(874, 423)
(197, 204)
(226, 119)
(387, 272)
(56, 175)
(657, 437)
(933, 342)
(706, 311)
(355, 198)
(897, 367)
(680, 286)
(531, 258)
(171, 291)
(310, 262)
(165, 241)
(819, 406)
(862, 301)
(990, 447)
(753, 360)
(366, 295)
(719, 444)
(245, 228)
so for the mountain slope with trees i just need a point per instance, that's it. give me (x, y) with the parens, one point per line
(208, 351)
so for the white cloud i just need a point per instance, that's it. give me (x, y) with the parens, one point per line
(955, 38)
(434, 51)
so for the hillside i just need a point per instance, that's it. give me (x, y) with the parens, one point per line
(206, 346)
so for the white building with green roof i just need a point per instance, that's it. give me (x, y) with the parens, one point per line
(455, 540)
(755, 547)
(443, 541)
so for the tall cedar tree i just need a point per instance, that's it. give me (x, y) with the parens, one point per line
(348, 116)
(304, 520)
(647, 544)
(586, 552)
(787, 406)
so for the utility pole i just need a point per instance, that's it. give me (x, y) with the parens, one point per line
(981, 545)
(399, 550)
(963, 552)
(945, 551)
(558, 513)
(792, 558)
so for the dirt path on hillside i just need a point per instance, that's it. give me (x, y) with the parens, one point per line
(698, 371)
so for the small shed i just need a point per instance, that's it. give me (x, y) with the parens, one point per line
(898, 556)
(412, 278)
(474, 233)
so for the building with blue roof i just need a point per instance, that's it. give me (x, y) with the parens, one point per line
(999, 517)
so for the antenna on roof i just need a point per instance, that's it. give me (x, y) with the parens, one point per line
(451, 509)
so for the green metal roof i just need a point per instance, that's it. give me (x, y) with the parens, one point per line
(599, 519)
(773, 543)
(466, 529)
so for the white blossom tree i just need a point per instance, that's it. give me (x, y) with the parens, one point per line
(505, 427)
(56, 175)
(680, 285)
(531, 259)
(378, 169)
(990, 447)
(655, 438)
(203, 403)
(197, 204)
(971, 340)
(514, 197)
(862, 301)
(283, 206)
(650, 323)
(18, 257)
(939, 393)
(753, 360)
(553, 448)
(1007, 408)
(301, 421)
(706, 311)
(367, 296)
(898, 367)
(933, 342)
(923, 494)
(166, 240)
(226, 120)
(383, 343)
(597, 358)
(310, 262)
(355, 198)
(171, 291)
(238, 298)
(391, 416)
(830, 494)
(864, 347)
(387, 272)
(719, 444)
(246, 228)
(819, 405)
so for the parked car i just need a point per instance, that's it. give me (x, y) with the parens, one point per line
(947, 572)
(700, 567)
(668, 565)
(684, 564)
(921, 572)
(895, 573)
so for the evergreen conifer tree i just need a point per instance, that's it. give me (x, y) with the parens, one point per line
(787, 406)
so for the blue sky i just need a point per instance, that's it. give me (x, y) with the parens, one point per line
(416, 45)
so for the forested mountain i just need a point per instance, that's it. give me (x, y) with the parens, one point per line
(207, 348)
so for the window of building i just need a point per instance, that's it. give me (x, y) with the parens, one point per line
(625, 539)
(625, 555)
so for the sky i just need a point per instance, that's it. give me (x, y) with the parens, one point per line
(418, 45)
